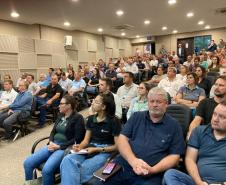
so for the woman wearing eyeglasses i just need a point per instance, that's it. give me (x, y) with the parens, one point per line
(102, 131)
(68, 129)
(139, 103)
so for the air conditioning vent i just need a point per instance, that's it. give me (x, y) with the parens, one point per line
(221, 10)
(123, 27)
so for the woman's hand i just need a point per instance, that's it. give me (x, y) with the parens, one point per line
(53, 146)
(76, 148)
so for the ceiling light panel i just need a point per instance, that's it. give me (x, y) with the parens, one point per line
(147, 22)
(119, 13)
(190, 14)
(67, 23)
(171, 2)
(164, 28)
(14, 14)
(200, 22)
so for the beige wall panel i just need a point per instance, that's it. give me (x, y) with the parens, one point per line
(8, 44)
(8, 61)
(27, 60)
(19, 30)
(72, 58)
(121, 44)
(92, 45)
(44, 61)
(100, 44)
(58, 61)
(92, 57)
(115, 53)
(111, 42)
(43, 47)
(26, 45)
(82, 44)
(121, 53)
(100, 55)
(140, 47)
(108, 54)
(58, 48)
(30, 71)
(83, 56)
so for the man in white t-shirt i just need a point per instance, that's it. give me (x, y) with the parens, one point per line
(8, 95)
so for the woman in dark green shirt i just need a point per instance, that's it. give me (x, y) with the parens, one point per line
(69, 128)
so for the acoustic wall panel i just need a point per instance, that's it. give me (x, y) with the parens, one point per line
(100, 55)
(43, 47)
(58, 61)
(8, 61)
(8, 44)
(57, 48)
(115, 53)
(27, 60)
(44, 61)
(26, 45)
(72, 57)
(121, 53)
(92, 45)
(30, 71)
(41, 70)
(111, 42)
(83, 56)
(92, 57)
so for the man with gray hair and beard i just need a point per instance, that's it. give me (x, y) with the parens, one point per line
(150, 143)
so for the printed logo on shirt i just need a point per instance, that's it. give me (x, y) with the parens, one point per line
(104, 131)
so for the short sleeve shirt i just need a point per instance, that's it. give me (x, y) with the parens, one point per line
(211, 154)
(103, 132)
(52, 90)
(153, 141)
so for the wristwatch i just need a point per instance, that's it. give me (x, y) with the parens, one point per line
(103, 149)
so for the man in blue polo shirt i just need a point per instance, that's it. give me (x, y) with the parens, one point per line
(205, 158)
(150, 143)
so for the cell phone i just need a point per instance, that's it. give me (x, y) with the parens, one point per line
(109, 168)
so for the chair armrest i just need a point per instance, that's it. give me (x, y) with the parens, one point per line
(37, 142)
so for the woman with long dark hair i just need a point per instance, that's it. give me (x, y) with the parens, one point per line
(68, 129)
(102, 131)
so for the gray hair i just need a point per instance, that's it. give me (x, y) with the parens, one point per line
(158, 91)
(174, 69)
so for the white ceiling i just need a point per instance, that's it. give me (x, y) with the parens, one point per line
(88, 15)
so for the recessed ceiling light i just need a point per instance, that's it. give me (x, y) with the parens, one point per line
(171, 2)
(14, 14)
(75, 1)
(164, 28)
(67, 24)
(175, 31)
(123, 34)
(119, 13)
(190, 14)
(147, 22)
(100, 30)
(200, 22)
(137, 36)
(207, 27)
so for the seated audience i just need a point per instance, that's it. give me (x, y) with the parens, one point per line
(126, 93)
(93, 83)
(8, 95)
(182, 76)
(78, 85)
(139, 103)
(49, 75)
(205, 109)
(68, 129)
(215, 64)
(102, 130)
(65, 82)
(110, 72)
(190, 94)
(22, 78)
(205, 158)
(33, 87)
(42, 83)
(171, 84)
(7, 77)
(22, 103)
(58, 73)
(131, 66)
(51, 97)
(189, 61)
(158, 77)
(193, 67)
(150, 143)
(71, 74)
(203, 82)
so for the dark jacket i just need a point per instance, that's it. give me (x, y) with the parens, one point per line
(75, 130)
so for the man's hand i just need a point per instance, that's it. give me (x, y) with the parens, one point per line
(53, 146)
(10, 112)
(76, 148)
(92, 150)
(49, 102)
(140, 167)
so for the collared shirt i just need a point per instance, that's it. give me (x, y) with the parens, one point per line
(65, 84)
(76, 84)
(111, 74)
(153, 141)
(7, 97)
(33, 88)
(23, 102)
(137, 105)
(126, 94)
(211, 160)
(191, 94)
(52, 90)
(132, 68)
(171, 86)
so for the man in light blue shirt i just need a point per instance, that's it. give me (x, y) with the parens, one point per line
(23, 102)
(78, 85)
